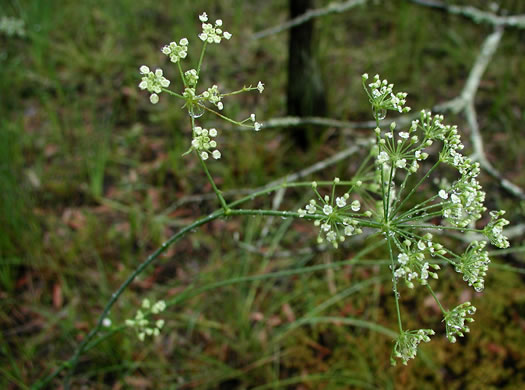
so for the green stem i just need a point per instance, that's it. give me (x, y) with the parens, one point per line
(181, 74)
(422, 217)
(442, 227)
(208, 175)
(115, 296)
(201, 58)
(416, 187)
(436, 299)
(244, 89)
(215, 189)
(387, 218)
(418, 209)
(170, 92)
(224, 117)
(394, 283)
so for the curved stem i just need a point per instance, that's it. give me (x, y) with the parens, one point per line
(115, 296)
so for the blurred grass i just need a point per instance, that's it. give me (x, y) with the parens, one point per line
(88, 169)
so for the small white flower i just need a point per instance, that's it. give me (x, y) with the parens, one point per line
(310, 208)
(252, 117)
(355, 206)
(203, 17)
(402, 258)
(257, 126)
(213, 132)
(154, 98)
(216, 154)
(260, 87)
(443, 194)
(302, 213)
(401, 163)
(204, 155)
(106, 322)
(227, 35)
(382, 158)
(404, 135)
(331, 236)
(158, 307)
(327, 209)
(153, 82)
(349, 230)
(340, 201)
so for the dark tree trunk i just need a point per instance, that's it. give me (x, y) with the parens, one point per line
(306, 95)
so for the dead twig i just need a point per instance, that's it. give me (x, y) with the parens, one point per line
(310, 14)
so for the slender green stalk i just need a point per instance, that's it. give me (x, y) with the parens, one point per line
(181, 74)
(201, 57)
(394, 283)
(416, 187)
(411, 212)
(170, 92)
(436, 298)
(224, 117)
(442, 227)
(382, 173)
(422, 218)
(244, 89)
(387, 216)
(419, 206)
(115, 296)
(212, 182)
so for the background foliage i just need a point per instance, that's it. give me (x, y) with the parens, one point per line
(91, 173)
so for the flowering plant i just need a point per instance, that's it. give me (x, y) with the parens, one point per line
(383, 198)
(378, 199)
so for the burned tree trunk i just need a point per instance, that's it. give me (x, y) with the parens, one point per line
(306, 95)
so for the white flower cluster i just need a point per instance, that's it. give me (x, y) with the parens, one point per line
(12, 27)
(213, 96)
(407, 343)
(191, 77)
(494, 229)
(260, 87)
(402, 150)
(338, 217)
(211, 33)
(473, 264)
(465, 203)
(176, 52)
(412, 261)
(142, 324)
(153, 82)
(382, 97)
(202, 142)
(256, 125)
(455, 320)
